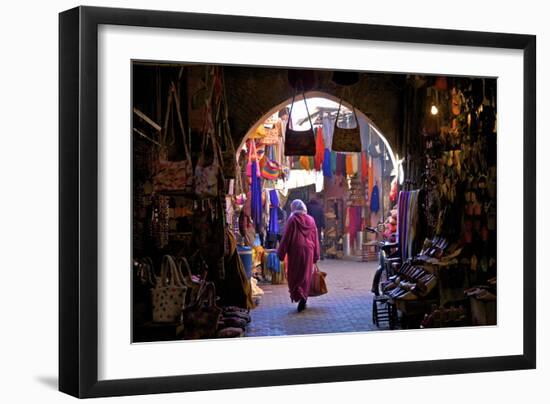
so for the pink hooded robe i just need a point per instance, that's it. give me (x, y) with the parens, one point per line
(301, 246)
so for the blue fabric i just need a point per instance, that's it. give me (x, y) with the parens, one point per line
(327, 170)
(256, 195)
(374, 200)
(273, 216)
(273, 263)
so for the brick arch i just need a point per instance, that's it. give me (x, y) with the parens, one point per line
(319, 94)
(253, 95)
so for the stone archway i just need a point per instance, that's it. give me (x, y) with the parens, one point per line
(320, 94)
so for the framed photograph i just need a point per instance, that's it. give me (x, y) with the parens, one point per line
(253, 201)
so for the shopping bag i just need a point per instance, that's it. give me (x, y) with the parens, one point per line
(318, 285)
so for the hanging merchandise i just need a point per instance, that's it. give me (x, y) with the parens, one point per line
(299, 143)
(333, 159)
(207, 176)
(270, 170)
(364, 167)
(273, 215)
(374, 199)
(252, 159)
(346, 140)
(304, 162)
(319, 149)
(168, 295)
(229, 155)
(349, 164)
(256, 198)
(355, 162)
(327, 170)
(328, 128)
(343, 78)
(201, 318)
(174, 176)
(340, 164)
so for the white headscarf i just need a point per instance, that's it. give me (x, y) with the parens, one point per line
(298, 207)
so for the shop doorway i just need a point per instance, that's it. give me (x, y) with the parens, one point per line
(345, 195)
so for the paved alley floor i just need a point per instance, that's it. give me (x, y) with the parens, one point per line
(345, 308)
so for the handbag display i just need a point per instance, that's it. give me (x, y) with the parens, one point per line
(346, 140)
(299, 142)
(174, 176)
(318, 285)
(168, 295)
(207, 176)
(201, 318)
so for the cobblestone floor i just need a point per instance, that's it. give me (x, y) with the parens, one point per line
(345, 308)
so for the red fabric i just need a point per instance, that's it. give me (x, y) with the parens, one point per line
(364, 167)
(319, 149)
(300, 245)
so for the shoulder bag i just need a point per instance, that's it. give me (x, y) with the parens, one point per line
(174, 176)
(346, 140)
(299, 142)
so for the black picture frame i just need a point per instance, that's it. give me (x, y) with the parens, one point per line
(78, 200)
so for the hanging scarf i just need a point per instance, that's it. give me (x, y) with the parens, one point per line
(374, 200)
(340, 164)
(319, 149)
(333, 159)
(364, 167)
(273, 217)
(304, 162)
(349, 164)
(256, 197)
(355, 163)
(327, 170)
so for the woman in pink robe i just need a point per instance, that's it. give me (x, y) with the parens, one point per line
(300, 244)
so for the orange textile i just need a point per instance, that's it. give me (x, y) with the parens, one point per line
(319, 149)
(349, 164)
(364, 167)
(304, 161)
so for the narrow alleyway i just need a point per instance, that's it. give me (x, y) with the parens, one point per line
(345, 308)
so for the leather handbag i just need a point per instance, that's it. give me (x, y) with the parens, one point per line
(168, 295)
(299, 142)
(318, 285)
(201, 318)
(174, 177)
(346, 140)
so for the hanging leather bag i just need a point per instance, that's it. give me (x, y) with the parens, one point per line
(299, 142)
(207, 176)
(174, 177)
(346, 140)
